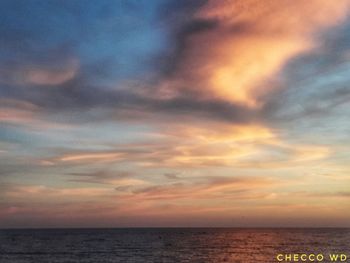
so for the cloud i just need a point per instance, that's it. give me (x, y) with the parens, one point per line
(89, 157)
(219, 187)
(16, 111)
(171, 176)
(48, 77)
(243, 44)
(27, 194)
(328, 194)
(27, 115)
(51, 68)
(133, 193)
(197, 145)
(121, 179)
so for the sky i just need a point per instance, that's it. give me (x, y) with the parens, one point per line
(170, 113)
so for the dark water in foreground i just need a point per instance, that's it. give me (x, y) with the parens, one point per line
(168, 244)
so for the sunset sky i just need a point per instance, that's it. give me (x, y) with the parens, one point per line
(174, 113)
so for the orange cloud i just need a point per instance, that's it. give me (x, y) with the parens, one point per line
(98, 156)
(216, 188)
(35, 193)
(10, 115)
(251, 41)
(222, 133)
(45, 76)
(18, 112)
(202, 145)
(218, 199)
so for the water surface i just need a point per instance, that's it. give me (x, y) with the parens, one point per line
(167, 244)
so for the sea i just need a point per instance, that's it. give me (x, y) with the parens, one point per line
(173, 245)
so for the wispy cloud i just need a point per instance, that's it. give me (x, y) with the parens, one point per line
(48, 77)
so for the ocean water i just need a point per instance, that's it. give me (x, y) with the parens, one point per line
(168, 244)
